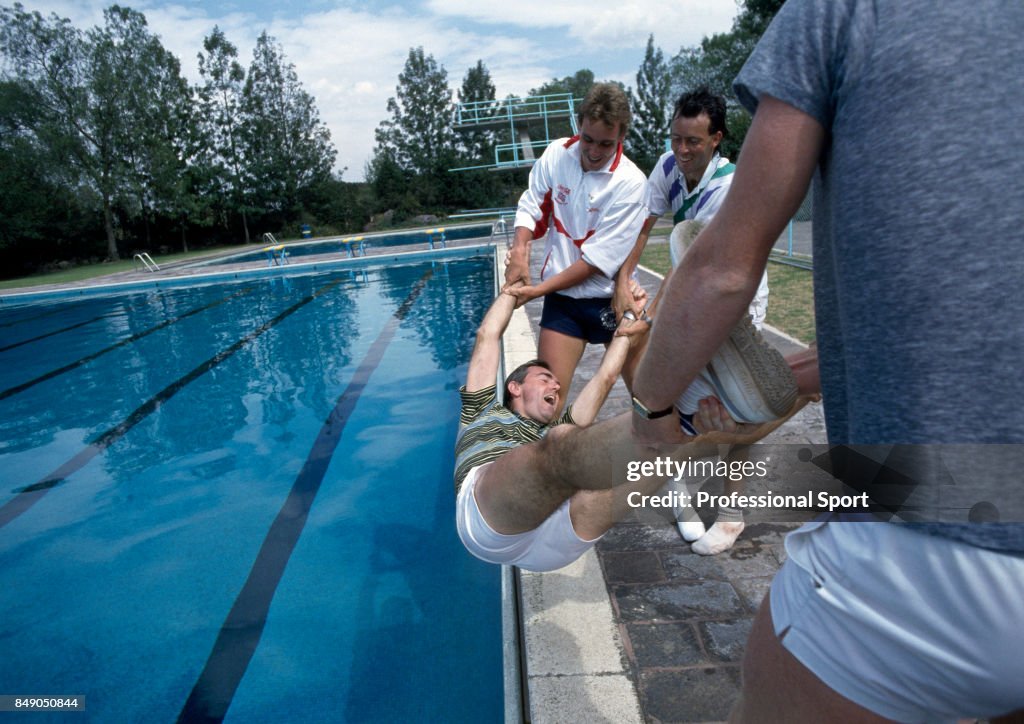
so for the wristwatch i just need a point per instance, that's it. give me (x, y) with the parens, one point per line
(644, 412)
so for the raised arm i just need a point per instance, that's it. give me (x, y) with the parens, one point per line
(483, 365)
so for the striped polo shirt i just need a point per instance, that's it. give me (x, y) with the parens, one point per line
(488, 430)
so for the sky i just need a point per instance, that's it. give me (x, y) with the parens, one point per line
(348, 54)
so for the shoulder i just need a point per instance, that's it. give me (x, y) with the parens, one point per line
(477, 402)
(628, 176)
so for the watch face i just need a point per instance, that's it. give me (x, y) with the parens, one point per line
(608, 319)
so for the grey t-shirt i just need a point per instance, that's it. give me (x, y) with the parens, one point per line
(918, 216)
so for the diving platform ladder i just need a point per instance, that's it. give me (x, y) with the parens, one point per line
(277, 255)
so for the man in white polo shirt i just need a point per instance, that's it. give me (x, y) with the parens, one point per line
(588, 202)
(691, 181)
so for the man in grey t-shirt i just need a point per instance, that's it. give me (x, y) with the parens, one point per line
(906, 116)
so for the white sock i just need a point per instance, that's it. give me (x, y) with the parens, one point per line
(718, 539)
(687, 521)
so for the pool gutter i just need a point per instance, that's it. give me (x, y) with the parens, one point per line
(573, 661)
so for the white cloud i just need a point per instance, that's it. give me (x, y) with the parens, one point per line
(602, 23)
(349, 59)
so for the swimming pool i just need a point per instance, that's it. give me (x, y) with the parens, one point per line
(234, 500)
(357, 244)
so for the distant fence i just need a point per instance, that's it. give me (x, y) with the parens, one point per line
(795, 245)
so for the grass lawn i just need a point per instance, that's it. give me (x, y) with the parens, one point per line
(790, 299)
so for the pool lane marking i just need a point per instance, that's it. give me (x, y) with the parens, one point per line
(31, 494)
(66, 329)
(242, 629)
(134, 338)
(59, 331)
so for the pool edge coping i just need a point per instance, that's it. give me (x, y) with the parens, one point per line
(573, 655)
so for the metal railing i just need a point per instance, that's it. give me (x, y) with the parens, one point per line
(145, 260)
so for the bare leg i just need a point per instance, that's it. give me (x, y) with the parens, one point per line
(778, 688)
(563, 354)
(525, 485)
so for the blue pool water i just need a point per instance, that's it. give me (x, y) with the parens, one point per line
(244, 507)
(347, 245)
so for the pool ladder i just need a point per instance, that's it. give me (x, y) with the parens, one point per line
(146, 261)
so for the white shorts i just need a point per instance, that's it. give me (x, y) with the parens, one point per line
(551, 545)
(911, 626)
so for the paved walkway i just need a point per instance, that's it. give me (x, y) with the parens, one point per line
(679, 620)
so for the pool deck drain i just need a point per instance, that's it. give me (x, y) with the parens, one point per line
(641, 629)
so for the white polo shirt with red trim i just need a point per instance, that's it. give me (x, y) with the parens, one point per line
(593, 215)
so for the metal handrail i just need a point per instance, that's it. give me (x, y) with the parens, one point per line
(147, 262)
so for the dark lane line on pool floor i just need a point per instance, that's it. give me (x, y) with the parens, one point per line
(107, 315)
(31, 494)
(134, 338)
(242, 629)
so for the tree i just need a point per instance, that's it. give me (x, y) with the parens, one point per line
(478, 89)
(650, 107)
(159, 127)
(577, 85)
(418, 139)
(717, 61)
(288, 150)
(220, 152)
(82, 85)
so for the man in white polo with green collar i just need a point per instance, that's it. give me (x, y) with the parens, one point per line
(691, 181)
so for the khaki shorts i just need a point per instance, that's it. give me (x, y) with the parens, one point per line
(551, 545)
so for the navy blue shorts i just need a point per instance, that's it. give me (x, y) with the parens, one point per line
(580, 318)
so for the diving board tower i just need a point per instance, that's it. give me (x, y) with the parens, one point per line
(530, 125)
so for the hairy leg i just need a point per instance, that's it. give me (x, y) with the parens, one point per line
(525, 485)
(563, 354)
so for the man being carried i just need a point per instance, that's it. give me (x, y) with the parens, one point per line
(503, 513)
(536, 489)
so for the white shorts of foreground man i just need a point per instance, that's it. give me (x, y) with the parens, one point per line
(911, 626)
(550, 546)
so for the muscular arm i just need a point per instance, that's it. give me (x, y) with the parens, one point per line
(710, 290)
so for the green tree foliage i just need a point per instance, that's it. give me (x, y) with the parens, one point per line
(103, 144)
(719, 58)
(651, 108)
(575, 85)
(288, 150)
(417, 140)
(220, 160)
(477, 88)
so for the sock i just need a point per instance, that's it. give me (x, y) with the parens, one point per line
(722, 535)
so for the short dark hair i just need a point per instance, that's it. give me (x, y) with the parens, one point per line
(702, 100)
(518, 375)
(608, 103)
